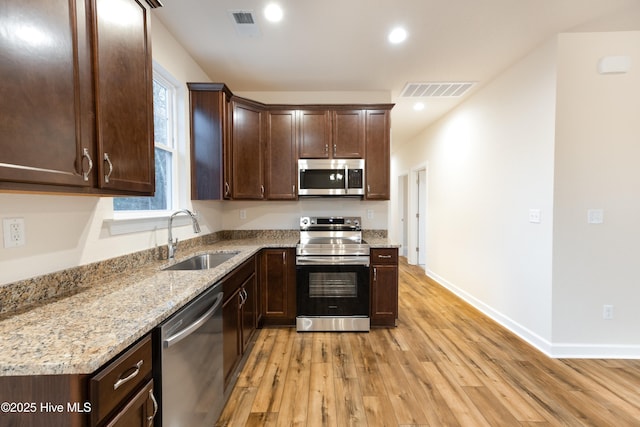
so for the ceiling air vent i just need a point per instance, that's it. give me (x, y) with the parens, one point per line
(245, 23)
(436, 90)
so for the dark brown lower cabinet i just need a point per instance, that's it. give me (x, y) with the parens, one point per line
(384, 287)
(278, 286)
(119, 394)
(139, 411)
(239, 314)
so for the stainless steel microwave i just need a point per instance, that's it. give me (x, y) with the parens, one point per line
(331, 177)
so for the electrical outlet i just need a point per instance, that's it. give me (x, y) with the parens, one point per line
(607, 312)
(243, 214)
(369, 213)
(13, 231)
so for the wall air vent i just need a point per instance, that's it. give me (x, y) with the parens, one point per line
(245, 23)
(436, 89)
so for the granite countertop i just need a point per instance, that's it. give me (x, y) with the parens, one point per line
(79, 333)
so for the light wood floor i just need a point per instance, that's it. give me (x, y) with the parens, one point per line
(444, 365)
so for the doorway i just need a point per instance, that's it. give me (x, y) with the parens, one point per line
(403, 200)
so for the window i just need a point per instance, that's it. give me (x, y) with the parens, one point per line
(164, 123)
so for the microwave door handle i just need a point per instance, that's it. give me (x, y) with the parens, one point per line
(346, 179)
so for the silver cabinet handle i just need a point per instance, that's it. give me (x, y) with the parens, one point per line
(227, 190)
(108, 174)
(128, 377)
(375, 274)
(326, 148)
(384, 256)
(86, 155)
(335, 149)
(155, 408)
(262, 191)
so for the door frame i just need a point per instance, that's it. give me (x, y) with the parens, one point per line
(415, 193)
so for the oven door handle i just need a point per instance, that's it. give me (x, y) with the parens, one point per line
(333, 260)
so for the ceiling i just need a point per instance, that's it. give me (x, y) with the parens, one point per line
(341, 45)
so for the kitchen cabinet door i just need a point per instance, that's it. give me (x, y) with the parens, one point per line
(384, 287)
(378, 155)
(281, 157)
(278, 286)
(248, 312)
(209, 130)
(315, 134)
(348, 134)
(139, 411)
(247, 151)
(46, 100)
(124, 98)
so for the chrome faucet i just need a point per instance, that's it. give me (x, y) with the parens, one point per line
(173, 244)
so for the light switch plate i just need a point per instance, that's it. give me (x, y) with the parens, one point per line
(595, 216)
(534, 216)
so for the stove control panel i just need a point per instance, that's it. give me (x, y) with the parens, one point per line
(330, 222)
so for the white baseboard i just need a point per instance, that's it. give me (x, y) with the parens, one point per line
(554, 350)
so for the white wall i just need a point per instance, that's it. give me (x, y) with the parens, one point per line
(489, 162)
(597, 157)
(550, 133)
(67, 231)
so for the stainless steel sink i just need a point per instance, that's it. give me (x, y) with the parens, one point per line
(202, 261)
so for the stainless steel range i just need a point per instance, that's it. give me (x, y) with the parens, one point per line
(332, 263)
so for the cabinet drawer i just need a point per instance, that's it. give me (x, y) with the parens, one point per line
(117, 380)
(384, 256)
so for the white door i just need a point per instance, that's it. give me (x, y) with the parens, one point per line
(421, 217)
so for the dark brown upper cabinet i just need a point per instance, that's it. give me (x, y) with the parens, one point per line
(348, 134)
(242, 149)
(315, 134)
(281, 156)
(378, 154)
(247, 150)
(210, 106)
(76, 97)
(332, 133)
(124, 96)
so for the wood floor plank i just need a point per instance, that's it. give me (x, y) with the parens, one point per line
(350, 410)
(446, 364)
(322, 396)
(379, 411)
(271, 387)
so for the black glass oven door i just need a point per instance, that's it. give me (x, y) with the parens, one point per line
(333, 290)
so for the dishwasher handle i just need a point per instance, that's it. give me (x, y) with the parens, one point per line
(175, 338)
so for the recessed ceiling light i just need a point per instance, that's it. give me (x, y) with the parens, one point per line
(397, 35)
(273, 12)
(418, 106)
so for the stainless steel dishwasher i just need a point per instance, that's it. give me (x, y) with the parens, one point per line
(188, 349)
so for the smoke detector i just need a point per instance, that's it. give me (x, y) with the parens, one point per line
(245, 23)
(436, 89)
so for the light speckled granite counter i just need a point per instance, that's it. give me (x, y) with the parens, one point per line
(78, 333)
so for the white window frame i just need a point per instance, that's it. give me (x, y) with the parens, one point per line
(145, 220)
